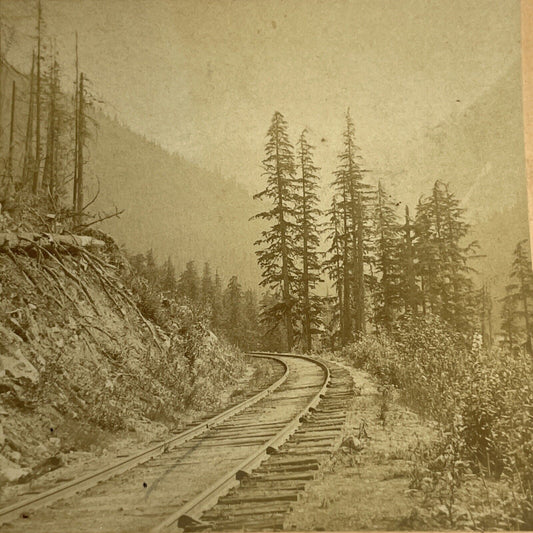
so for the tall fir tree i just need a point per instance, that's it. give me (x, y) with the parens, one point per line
(307, 216)
(189, 283)
(233, 312)
(353, 205)
(168, 277)
(279, 243)
(509, 319)
(408, 288)
(217, 305)
(485, 314)
(251, 339)
(386, 260)
(207, 286)
(443, 258)
(333, 267)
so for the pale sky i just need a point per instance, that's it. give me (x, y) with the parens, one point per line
(203, 77)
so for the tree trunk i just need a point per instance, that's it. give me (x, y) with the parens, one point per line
(76, 135)
(360, 305)
(36, 171)
(338, 270)
(81, 135)
(49, 178)
(11, 136)
(29, 130)
(307, 307)
(411, 299)
(523, 290)
(284, 258)
(347, 324)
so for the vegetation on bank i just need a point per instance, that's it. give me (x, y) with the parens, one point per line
(479, 472)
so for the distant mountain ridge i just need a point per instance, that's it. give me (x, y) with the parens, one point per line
(479, 151)
(183, 211)
(172, 205)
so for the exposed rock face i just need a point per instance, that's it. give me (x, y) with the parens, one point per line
(14, 365)
(10, 471)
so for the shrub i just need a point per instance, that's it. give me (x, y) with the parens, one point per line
(483, 399)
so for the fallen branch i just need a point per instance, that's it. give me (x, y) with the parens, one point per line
(104, 279)
(63, 288)
(73, 277)
(117, 214)
(27, 240)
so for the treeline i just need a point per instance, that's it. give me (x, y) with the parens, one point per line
(382, 263)
(228, 309)
(42, 165)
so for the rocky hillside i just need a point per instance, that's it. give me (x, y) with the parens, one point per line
(79, 361)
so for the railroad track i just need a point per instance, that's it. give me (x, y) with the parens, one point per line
(240, 469)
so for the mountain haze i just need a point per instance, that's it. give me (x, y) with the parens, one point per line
(479, 151)
(172, 205)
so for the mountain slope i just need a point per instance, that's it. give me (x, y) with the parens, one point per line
(171, 205)
(479, 151)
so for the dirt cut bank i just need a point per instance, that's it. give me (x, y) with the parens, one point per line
(81, 366)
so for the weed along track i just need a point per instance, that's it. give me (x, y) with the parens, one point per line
(240, 469)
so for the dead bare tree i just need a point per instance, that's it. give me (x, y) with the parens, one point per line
(28, 144)
(9, 169)
(36, 170)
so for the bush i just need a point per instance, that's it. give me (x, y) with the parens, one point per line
(483, 400)
(422, 358)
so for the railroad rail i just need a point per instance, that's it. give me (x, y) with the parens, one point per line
(161, 488)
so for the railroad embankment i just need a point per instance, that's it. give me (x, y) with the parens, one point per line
(82, 368)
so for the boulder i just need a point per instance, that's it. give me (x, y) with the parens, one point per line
(11, 471)
(352, 443)
(14, 365)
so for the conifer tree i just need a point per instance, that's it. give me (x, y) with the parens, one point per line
(307, 215)
(151, 272)
(233, 312)
(207, 287)
(188, 284)
(11, 146)
(442, 258)
(36, 170)
(353, 205)
(27, 169)
(408, 288)
(168, 277)
(518, 302)
(279, 243)
(250, 321)
(386, 261)
(273, 333)
(217, 304)
(51, 161)
(510, 329)
(333, 266)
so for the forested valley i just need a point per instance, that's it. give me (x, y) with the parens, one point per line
(109, 326)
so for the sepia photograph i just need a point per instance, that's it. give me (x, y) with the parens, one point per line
(265, 265)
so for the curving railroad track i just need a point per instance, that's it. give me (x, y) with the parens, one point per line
(239, 469)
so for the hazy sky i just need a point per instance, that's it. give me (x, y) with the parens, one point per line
(203, 77)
